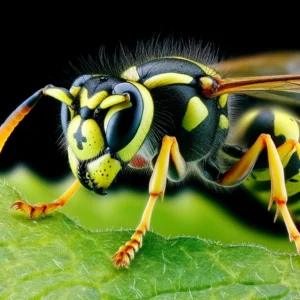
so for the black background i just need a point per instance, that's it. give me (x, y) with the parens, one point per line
(38, 45)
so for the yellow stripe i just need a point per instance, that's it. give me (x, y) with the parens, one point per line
(223, 100)
(74, 90)
(223, 122)
(166, 79)
(286, 125)
(244, 123)
(131, 74)
(84, 97)
(114, 110)
(196, 112)
(113, 100)
(92, 102)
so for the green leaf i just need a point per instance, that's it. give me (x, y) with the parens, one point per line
(54, 258)
(186, 212)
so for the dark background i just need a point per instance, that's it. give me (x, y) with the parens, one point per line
(38, 45)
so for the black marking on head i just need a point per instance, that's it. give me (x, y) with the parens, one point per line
(86, 113)
(79, 137)
(99, 84)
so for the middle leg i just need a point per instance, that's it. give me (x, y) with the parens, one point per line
(157, 188)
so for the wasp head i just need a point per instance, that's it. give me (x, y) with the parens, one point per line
(105, 126)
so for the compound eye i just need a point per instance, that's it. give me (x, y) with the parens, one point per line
(122, 121)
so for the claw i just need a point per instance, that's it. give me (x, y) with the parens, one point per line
(272, 199)
(121, 259)
(45, 208)
(34, 211)
(126, 253)
(276, 214)
(271, 202)
(297, 242)
(21, 205)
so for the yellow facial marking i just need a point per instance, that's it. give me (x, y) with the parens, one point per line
(131, 74)
(103, 170)
(85, 138)
(113, 100)
(92, 102)
(72, 112)
(286, 125)
(223, 100)
(223, 122)
(196, 112)
(166, 79)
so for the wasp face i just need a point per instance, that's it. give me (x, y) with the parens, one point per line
(108, 124)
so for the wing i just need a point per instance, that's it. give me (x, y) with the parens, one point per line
(258, 77)
(274, 63)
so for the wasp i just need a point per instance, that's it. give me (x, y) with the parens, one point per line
(170, 111)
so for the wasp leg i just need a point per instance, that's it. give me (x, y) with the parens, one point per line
(45, 208)
(157, 188)
(287, 147)
(278, 188)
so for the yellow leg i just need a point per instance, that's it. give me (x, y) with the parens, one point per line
(278, 189)
(45, 208)
(287, 147)
(157, 188)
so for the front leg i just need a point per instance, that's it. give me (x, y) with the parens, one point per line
(157, 187)
(45, 208)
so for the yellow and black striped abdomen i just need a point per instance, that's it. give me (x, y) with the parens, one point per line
(282, 126)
